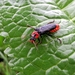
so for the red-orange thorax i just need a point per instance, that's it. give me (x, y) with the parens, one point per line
(37, 35)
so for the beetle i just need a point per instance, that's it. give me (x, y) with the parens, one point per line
(50, 27)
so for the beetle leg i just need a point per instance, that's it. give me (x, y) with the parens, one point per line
(54, 37)
(59, 40)
(51, 22)
(41, 37)
(35, 45)
(39, 40)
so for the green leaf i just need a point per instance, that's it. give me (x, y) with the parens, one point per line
(3, 35)
(1, 41)
(51, 58)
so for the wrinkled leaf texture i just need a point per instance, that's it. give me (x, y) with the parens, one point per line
(51, 58)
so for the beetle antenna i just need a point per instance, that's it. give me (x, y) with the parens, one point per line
(35, 45)
(59, 22)
(30, 26)
(52, 21)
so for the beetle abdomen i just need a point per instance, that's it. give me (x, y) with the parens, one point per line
(55, 29)
(46, 28)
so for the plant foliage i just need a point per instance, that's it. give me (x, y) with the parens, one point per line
(51, 58)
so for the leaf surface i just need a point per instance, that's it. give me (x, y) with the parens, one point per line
(51, 58)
